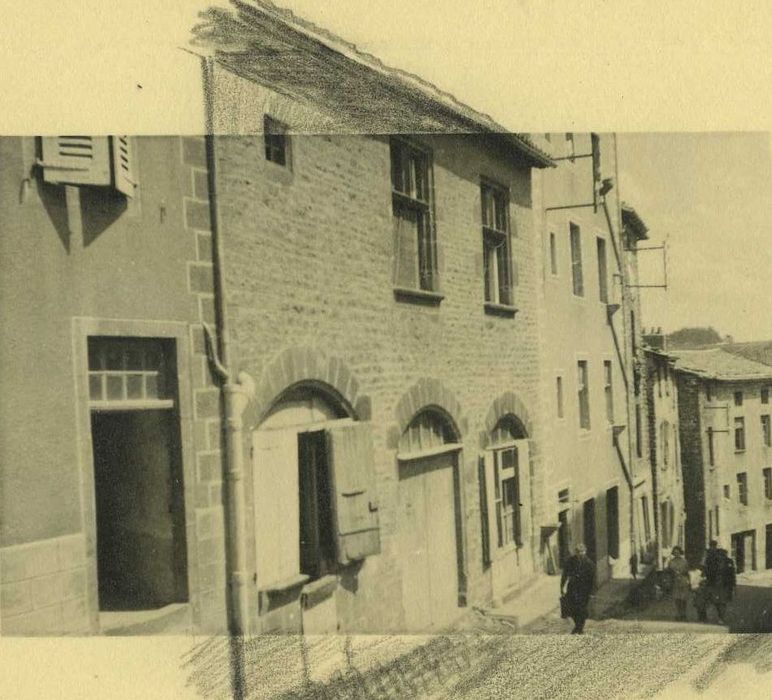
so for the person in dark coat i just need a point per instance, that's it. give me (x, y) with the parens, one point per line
(579, 573)
(720, 580)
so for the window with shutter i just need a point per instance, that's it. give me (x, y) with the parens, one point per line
(355, 507)
(123, 176)
(102, 161)
(76, 160)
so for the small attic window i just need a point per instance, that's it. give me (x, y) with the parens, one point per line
(276, 141)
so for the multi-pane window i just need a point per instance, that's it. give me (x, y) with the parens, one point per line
(415, 256)
(576, 260)
(276, 141)
(506, 496)
(129, 370)
(608, 390)
(766, 431)
(583, 392)
(665, 443)
(768, 483)
(602, 270)
(739, 434)
(496, 244)
(742, 488)
(559, 395)
(738, 398)
(553, 254)
(765, 395)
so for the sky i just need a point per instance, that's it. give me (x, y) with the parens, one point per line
(653, 67)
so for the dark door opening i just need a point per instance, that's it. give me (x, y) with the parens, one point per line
(564, 538)
(317, 533)
(588, 522)
(744, 551)
(141, 557)
(612, 521)
(768, 561)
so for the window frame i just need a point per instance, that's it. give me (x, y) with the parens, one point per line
(608, 390)
(498, 293)
(767, 476)
(560, 397)
(738, 398)
(739, 434)
(602, 260)
(276, 141)
(583, 394)
(577, 272)
(766, 430)
(742, 488)
(419, 201)
(501, 514)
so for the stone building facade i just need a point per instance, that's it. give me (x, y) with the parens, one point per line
(724, 416)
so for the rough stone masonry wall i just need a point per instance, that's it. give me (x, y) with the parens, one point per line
(309, 265)
(209, 602)
(692, 465)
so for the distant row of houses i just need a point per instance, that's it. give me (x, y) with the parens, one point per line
(364, 362)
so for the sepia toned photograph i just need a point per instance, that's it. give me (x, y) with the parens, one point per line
(354, 388)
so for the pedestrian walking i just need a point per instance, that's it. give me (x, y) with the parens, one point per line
(720, 581)
(579, 574)
(679, 568)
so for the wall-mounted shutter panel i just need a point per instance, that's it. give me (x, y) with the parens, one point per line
(521, 463)
(484, 522)
(355, 505)
(123, 170)
(275, 494)
(76, 160)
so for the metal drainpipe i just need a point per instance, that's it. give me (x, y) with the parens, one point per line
(625, 315)
(236, 396)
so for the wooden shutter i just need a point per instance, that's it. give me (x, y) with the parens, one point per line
(123, 167)
(275, 489)
(355, 507)
(485, 528)
(522, 462)
(76, 160)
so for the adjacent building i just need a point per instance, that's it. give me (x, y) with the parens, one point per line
(599, 490)
(664, 447)
(726, 447)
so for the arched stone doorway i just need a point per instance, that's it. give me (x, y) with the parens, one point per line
(429, 533)
(314, 506)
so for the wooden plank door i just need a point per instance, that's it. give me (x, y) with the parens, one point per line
(416, 588)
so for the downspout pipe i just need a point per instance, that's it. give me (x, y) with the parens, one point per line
(237, 392)
(625, 315)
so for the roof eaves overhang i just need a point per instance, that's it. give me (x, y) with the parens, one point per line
(422, 92)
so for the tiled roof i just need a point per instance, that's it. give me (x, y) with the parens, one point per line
(760, 351)
(260, 43)
(720, 363)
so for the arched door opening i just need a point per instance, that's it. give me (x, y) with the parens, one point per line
(429, 522)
